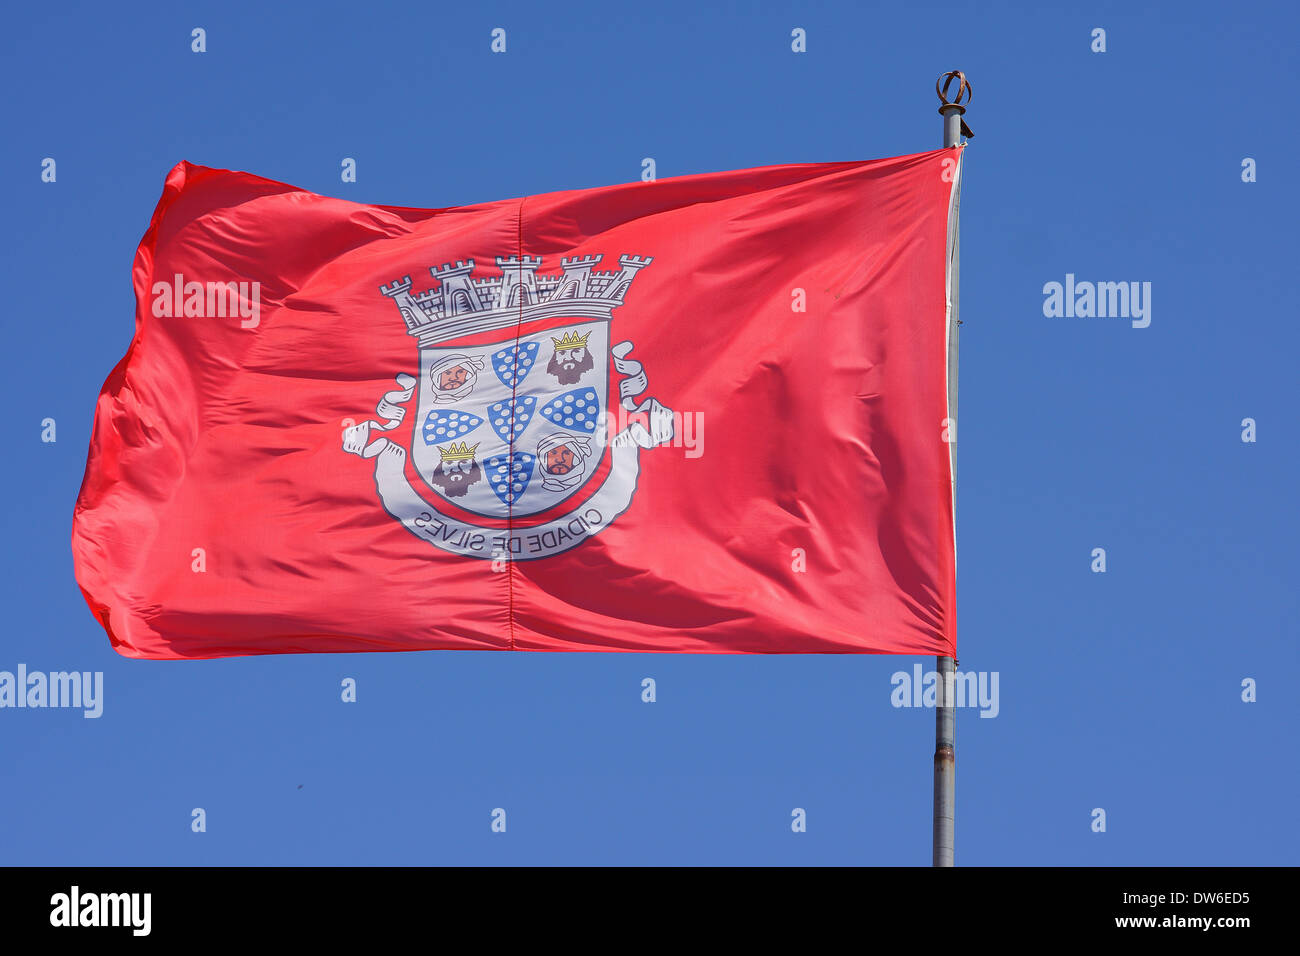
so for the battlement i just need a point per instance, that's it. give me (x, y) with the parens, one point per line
(526, 262)
(398, 285)
(461, 304)
(459, 269)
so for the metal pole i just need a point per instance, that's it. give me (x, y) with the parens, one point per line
(945, 721)
(945, 767)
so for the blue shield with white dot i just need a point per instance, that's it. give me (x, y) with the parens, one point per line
(512, 364)
(511, 417)
(443, 426)
(509, 475)
(578, 410)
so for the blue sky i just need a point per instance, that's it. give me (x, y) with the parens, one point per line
(1119, 690)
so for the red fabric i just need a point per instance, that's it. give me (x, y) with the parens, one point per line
(817, 515)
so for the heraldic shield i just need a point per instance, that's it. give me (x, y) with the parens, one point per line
(516, 423)
(517, 426)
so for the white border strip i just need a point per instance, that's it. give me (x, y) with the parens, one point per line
(950, 322)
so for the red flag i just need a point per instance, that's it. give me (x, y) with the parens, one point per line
(701, 414)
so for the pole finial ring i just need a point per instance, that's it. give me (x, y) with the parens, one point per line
(963, 88)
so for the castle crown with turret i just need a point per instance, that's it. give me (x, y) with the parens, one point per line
(462, 305)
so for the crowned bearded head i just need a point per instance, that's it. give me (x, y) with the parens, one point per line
(571, 358)
(458, 471)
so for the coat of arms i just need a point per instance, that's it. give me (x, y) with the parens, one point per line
(513, 416)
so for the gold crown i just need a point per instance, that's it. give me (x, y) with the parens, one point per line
(461, 452)
(571, 340)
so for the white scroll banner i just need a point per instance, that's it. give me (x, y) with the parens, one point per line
(356, 439)
(521, 544)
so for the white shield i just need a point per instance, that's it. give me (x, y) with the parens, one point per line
(533, 420)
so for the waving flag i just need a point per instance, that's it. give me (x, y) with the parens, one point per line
(703, 414)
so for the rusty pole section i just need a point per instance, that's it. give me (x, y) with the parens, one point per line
(945, 721)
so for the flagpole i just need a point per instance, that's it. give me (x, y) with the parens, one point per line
(945, 721)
